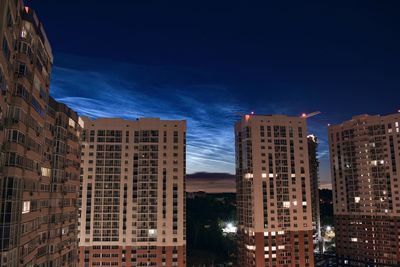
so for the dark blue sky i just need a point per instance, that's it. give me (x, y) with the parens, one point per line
(204, 61)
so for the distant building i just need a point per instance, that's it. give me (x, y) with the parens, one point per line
(314, 183)
(273, 192)
(365, 165)
(198, 194)
(39, 149)
(133, 193)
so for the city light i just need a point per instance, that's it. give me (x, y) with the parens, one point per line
(229, 228)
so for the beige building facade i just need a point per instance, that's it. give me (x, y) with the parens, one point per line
(133, 193)
(273, 192)
(365, 166)
(39, 152)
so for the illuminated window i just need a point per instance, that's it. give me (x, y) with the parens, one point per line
(248, 175)
(250, 247)
(23, 33)
(26, 207)
(71, 123)
(152, 232)
(46, 172)
(357, 199)
(354, 239)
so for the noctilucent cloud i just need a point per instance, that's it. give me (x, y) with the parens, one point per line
(208, 63)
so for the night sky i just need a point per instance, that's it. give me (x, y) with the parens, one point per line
(207, 61)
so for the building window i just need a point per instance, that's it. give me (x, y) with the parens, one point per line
(26, 207)
(6, 48)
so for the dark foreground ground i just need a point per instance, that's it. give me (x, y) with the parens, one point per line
(207, 245)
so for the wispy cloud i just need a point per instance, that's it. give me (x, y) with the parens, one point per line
(98, 88)
(97, 93)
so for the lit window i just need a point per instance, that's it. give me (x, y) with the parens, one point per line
(26, 207)
(152, 232)
(264, 175)
(354, 239)
(248, 175)
(46, 172)
(281, 247)
(286, 204)
(250, 247)
(23, 33)
(81, 122)
(71, 123)
(357, 199)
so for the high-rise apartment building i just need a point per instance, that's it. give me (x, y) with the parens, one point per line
(133, 193)
(273, 192)
(312, 141)
(40, 150)
(365, 165)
